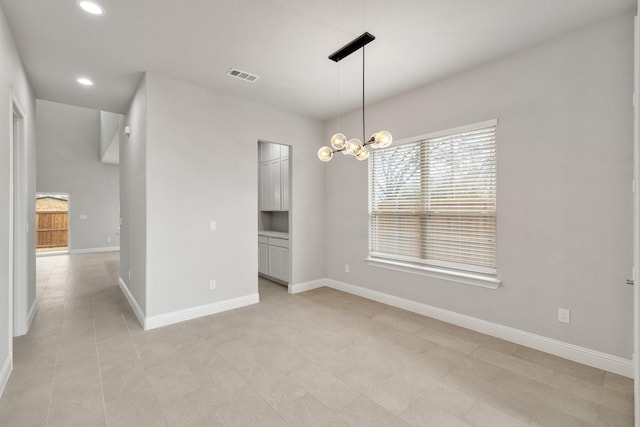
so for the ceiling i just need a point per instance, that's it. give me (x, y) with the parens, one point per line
(285, 42)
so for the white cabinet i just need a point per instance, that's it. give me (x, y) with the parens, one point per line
(263, 258)
(274, 177)
(279, 263)
(270, 186)
(273, 257)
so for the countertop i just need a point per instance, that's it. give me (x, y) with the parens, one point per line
(278, 234)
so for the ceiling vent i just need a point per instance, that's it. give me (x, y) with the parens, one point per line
(242, 75)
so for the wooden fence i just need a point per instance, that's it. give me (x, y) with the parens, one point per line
(52, 229)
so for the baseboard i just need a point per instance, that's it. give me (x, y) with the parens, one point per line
(306, 286)
(94, 250)
(562, 349)
(4, 373)
(165, 319)
(132, 301)
(32, 313)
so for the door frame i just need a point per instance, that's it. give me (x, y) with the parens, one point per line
(636, 215)
(18, 223)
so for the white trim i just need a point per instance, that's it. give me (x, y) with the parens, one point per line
(178, 316)
(132, 301)
(32, 313)
(306, 286)
(466, 278)
(94, 250)
(18, 224)
(7, 367)
(562, 349)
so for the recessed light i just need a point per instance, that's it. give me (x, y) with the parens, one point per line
(84, 81)
(91, 7)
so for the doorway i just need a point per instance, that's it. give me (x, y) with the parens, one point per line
(274, 212)
(52, 223)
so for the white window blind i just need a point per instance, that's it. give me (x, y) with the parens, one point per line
(433, 201)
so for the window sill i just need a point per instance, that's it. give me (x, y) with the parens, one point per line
(466, 278)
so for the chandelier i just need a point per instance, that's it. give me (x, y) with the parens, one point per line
(354, 146)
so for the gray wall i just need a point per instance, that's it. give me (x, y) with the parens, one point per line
(201, 162)
(69, 162)
(565, 146)
(133, 198)
(13, 77)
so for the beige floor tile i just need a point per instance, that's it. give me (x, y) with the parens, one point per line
(193, 410)
(514, 364)
(618, 400)
(171, 381)
(325, 387)
(611, 418)
(123, 378)
(377, 388)
(448, 340)
(421, 415)
(578, 387)
(547, 416)
(363, 412)
(397, 322)
(483, 415)
(139, 409)
(74, 377)
(618, 382)
(560, 365)
(250, 410)
(239, 354)
(516, 384)
(306, 410)
(569, 404)
(83, 408)
(492, 394)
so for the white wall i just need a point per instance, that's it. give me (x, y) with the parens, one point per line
(201, 162)
(133, 200)
(564, 188)
(69, 162)
(13, 79)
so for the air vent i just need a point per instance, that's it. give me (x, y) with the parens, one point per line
(242, 75)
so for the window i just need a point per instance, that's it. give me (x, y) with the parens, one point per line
(432, 201)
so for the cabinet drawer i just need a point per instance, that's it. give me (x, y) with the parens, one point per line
(274, 241)
(263, 239)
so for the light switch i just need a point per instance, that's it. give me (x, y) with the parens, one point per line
(212, 225)
(83, 216)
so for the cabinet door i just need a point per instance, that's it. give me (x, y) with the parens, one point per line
(263, 258)
(279, 263)
(270, 186)
(284, 179)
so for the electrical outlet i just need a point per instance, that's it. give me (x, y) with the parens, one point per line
(109, 239)
(212, 284)
(129, 274)
(564, 315)
(347, 268)
(212, 225)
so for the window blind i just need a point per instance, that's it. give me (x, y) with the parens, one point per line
(433, 201)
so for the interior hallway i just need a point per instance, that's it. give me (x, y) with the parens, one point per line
(318, 358)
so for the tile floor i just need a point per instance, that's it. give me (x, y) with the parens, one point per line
(321, 358)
